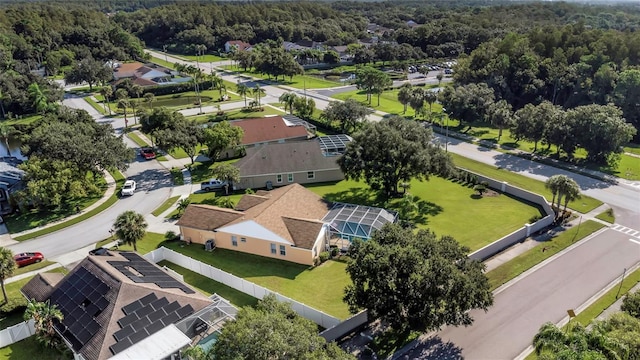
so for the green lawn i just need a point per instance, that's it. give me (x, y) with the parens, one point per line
(321, 288)
(32, 219)
(388, 102)
(236, 114)
(443, 207)
(203, 58)
(29, 348)
(32, 267)
(209, 286)
(150, 242)
(298, 81)
(201, 171)
(184, 100)
(583, 205)
(607, 216)
(165, 205)
(523, 262)
(162, 62)
(137, 139)
(22, 120)
(119, 182)
(207, 198)
(632, 148)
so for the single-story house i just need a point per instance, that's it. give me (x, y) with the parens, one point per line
(236, 45)
(118, 305)
(274, 164)
(289, 223)
(146, 74)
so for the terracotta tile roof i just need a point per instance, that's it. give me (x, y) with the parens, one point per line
(241, 45)
(250, 200)
(127, 69)
(304, 233)
(295, 156)
(207, 217)
(121, 291)
(40, 287)
(294, 202)
(269, 129)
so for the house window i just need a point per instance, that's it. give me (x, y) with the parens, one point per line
(283, 250)
(243, 239)
(311, 175)
(279, 178)
(234, 240)
(290, 177)
(273, 248)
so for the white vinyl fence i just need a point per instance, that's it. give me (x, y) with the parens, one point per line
(15, 333)
(247, 287)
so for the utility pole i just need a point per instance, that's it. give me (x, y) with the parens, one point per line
(164, 49)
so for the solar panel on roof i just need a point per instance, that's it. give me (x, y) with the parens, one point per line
(120, 346)
(123, 333)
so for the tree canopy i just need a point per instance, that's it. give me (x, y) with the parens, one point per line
(350, 114)
(222, 136)
(272, 330)
(391, 151)
(415, 280)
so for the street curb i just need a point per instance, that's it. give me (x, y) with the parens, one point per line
(582, 307)
(548, 260)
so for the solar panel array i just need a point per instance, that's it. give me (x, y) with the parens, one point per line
(334, 144)
(145, 272)
(80, 298)
(145, 317)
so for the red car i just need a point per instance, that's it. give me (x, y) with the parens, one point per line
(29, 258)
(148, 153)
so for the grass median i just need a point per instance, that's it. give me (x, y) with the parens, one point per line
(110, 201)
(518, 265)
(165, 205)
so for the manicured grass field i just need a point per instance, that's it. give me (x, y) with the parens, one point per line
(162, 62)
(321, 288)
(202, 58)
(632, 148)
(443, 207)
(165, 205)
(209, 286)
(150, 242)
(388, 102)
(523, 262)
(32, 267)
(237, 114)
(298, 81)
(29, 348)
(583, 205)
(607, 216)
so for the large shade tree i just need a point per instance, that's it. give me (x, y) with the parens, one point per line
(130, 227)
(272, 330)
(349, 114)
(220, 137)
(391, 151)
(415, 280)
(467, 103)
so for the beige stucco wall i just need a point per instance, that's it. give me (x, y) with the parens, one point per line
(196, 236)
(258, 182)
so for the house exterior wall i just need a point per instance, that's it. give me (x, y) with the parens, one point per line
(300, 177)
(255, 246)
(263, 248)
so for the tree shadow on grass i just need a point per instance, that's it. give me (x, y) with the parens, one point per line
(425, 209)
(358, 196)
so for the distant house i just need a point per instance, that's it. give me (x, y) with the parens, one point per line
(146, 74)
(290, 223)
(302, 162)
(118, 305)
(10, 181)
(236, 45)
(342, 51)
(412, 24)
(291, 46)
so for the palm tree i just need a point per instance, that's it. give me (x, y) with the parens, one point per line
(288, 99)
(404, 95)
(576, 343)
(243, 90)
(38, 98)
(124, 104)
(183, 204)
(107, 92)
(44, 316)
(149, 98)
(553, 184)
(258, 92)
(3, 97)
(567, 188)
(5, 133)
(440, 76)
(7, 267)
(430, 97)
(130, 227)
(200, 49)
(138, 90)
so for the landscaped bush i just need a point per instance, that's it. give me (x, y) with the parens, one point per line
(324, 256)
(334, 251)
(631, 304)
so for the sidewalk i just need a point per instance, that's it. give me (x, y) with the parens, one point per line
(6, 239)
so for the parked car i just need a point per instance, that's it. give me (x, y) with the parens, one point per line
(28, 258)
(448, 71)
(213, 184)
(129, 188)
(147, 153)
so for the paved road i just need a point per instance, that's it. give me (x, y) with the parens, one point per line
(154, 186)
(564, 283)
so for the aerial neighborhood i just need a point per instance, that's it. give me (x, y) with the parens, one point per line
(319, 180)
